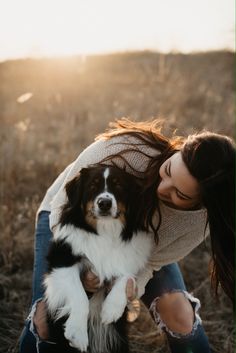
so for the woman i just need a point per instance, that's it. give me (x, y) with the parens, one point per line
(188, 192)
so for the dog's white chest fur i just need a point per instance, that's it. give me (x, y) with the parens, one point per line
(109, 255)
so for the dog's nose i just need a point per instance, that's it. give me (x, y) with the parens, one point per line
(104, 204)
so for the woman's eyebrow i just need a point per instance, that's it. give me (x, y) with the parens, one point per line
(181, 193)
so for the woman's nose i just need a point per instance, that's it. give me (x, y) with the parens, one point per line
(164, 187)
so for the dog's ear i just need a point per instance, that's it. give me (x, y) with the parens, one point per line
(72, 210)
(73, 191)
(74, 188)
(133, 223)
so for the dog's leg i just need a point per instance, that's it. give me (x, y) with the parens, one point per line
(65, 296)
(116, 301)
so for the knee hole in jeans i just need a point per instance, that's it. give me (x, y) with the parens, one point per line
(176, 312)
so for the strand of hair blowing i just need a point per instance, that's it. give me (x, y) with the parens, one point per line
(210, 158)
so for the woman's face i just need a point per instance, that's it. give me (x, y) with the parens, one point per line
(178, 188)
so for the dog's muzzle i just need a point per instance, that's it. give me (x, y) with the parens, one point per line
(104, 204)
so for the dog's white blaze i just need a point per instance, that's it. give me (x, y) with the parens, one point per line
(105, 175)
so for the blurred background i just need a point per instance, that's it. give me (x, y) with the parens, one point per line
(68, 68)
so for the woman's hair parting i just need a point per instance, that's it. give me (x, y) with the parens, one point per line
(210, 158)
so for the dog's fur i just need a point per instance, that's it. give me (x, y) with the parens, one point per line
(98, 230)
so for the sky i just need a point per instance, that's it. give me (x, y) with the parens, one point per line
(37, 28)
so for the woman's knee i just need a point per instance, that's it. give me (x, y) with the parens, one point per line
(174, 311)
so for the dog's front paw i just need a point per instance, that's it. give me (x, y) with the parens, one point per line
(76, 334)
(112, 309)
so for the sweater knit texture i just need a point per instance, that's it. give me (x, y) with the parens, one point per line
(180, 231)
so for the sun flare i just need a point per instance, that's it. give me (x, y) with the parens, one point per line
(66, 27)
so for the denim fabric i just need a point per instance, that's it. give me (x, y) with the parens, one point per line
(43, 236)
(168, 279)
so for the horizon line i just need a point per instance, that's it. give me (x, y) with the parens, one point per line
(115, 52)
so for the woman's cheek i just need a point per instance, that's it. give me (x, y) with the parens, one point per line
(179, 203)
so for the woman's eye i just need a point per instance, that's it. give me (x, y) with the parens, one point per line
(167, 170)
(181, 197)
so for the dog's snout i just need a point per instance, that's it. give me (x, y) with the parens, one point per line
(104, 204)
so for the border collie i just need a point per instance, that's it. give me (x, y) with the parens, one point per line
(98, 230)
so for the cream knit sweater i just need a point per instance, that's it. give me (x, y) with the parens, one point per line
(180, 231)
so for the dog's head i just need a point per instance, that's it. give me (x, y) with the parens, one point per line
(102, 193)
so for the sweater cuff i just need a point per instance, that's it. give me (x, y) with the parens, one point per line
(53, 219)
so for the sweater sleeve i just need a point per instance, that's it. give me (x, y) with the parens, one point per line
(161, 257)
(178, 236)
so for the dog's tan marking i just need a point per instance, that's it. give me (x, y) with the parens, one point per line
(89, 216)
(121, 209)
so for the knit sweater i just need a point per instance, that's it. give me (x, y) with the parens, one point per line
(180, 231)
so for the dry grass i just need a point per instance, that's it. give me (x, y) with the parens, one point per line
(73, 100)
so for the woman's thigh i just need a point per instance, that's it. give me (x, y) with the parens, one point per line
(167, 279)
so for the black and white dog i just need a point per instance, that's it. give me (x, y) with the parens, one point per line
(98, 230)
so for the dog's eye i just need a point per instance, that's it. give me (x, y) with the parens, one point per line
(92, 186)
(118, 185)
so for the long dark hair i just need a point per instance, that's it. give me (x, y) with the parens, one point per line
(210, 158)
(146, 133)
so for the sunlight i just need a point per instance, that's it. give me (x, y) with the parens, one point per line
(66, 27)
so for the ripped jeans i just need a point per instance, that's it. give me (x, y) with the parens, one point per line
(168, 279)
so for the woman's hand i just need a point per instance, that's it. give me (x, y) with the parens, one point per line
(40, 320)
(133, 304)
(90, 282)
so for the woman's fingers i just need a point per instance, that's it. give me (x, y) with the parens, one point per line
(131, 289)
(40, 320)
(90, 282)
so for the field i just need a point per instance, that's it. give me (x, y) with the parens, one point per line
(70, 101)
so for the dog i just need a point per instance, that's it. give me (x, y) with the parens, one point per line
(98, 230)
